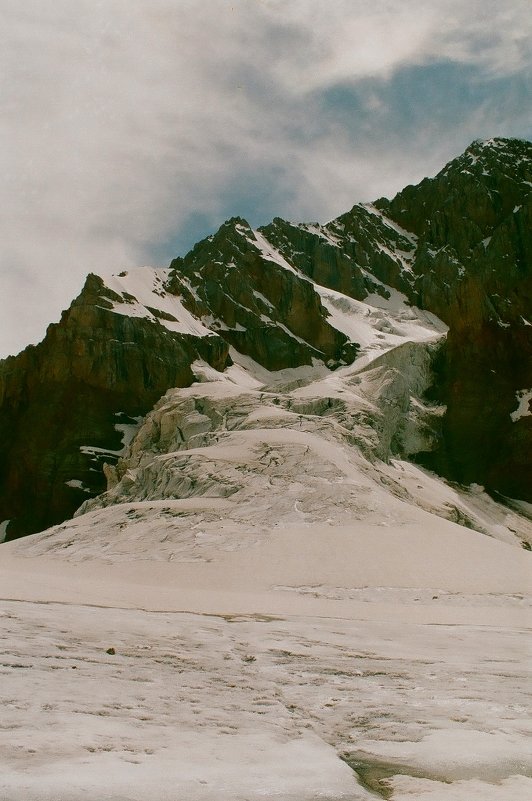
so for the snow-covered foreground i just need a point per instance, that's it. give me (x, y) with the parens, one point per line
(194, 706)
(271, 602)
(316, 662)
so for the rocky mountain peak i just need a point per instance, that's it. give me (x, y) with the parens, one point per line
(497, 156)
(469, 197)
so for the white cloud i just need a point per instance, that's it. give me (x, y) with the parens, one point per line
(121, 118)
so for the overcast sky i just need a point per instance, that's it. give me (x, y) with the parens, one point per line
(132, 128)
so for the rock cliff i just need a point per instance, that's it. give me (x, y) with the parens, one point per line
(473, 268)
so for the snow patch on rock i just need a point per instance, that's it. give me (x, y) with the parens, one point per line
(523, 398)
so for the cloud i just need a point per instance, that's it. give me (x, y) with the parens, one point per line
(131, 127)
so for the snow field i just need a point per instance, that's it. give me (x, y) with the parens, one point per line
(251, 707)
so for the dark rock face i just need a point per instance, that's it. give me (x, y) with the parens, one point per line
(481, 376)
(264, 309)
(459, 245)
(348, 253)
(473, 268)
(314, 252)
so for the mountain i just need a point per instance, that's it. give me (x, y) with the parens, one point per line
(402, 328)
(292, 573)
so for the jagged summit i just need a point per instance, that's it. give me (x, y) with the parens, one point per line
(469, 197)
(497, 155)
(454, 251)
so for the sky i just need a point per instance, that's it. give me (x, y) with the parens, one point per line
(130, 129)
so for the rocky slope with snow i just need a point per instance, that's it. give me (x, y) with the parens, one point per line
(293, 295)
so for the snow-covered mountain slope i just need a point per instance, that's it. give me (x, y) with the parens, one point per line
(142, 292)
